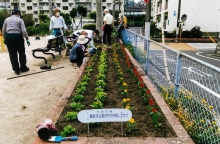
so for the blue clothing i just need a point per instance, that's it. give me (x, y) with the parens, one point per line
(77, 54)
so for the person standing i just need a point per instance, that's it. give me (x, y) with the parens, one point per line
(57, 22)
(123, 24)
(13, 31)
(107, 26)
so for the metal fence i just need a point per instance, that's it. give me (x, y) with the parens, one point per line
(191, 88)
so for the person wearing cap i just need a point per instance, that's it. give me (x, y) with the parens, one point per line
(78, 51)
(107, 26)
(123, 24)
(57, 22)
(13, 31)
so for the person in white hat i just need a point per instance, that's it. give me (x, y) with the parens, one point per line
(123, 24)
(78, 51)
(107, 26)
(57, 22)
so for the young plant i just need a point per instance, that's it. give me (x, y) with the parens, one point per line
(85, 78)
(125, 102)
(81, 90)
(129, 107)
(78, 98)
(99, 89)
(70, 116)
(82, 83)
(124, 85)
(125, 93)
(155, 117)
(100, 83)
(67, 130)
(77, 105)
(100, 96)
(130, 125)
(97, 105)
(101, 77)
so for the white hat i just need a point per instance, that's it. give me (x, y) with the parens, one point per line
(106, 10)
(82, 39)
(120, 15)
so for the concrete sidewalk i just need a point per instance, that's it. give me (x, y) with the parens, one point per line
(181, 46)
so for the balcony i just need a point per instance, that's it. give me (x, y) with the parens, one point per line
(83, 1)
(15, 1)
(29, 11)
(35, 8)
(43, 1)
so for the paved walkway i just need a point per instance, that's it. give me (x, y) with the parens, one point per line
(181, 46)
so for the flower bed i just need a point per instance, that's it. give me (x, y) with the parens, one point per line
(111, 81)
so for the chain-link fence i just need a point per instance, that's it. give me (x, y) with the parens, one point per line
(189, 86)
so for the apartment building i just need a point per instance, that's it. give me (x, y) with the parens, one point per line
(203, 13)
(37, 7)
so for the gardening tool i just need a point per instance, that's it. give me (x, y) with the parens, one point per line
(64, 43)
(60, 138)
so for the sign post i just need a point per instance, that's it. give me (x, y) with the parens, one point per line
(104, 115)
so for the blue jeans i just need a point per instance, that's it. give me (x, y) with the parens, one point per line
(56, 32)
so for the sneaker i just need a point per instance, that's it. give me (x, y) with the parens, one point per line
(25, 70)
(17, 72)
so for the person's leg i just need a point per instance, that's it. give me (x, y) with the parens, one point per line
(104, 36)
(120, 31)
(109, 34)
(12, 49)
(57, 33)
(22, 55)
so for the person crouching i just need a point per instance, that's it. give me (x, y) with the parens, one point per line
(78, 51)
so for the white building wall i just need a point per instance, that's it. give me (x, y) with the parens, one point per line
(203, 13)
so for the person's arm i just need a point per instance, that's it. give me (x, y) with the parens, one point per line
(125, 22)
(104, 21)
(51, 23)
(64, 24)
(23, 30)
(4, 29)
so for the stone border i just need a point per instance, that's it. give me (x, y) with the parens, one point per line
(182, 135)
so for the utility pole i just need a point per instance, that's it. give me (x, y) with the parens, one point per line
(178, 22)
(113, 11)
(99, 15)
(50, 8)
(148, 16)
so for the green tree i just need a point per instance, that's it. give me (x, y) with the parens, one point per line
(92, 15)
(44, 18)
(3, 16)
(82, 11)
(66, 18)
(28, 19)
(73, 14)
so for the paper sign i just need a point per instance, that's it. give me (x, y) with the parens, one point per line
(104, 115)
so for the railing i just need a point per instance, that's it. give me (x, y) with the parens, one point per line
(194, 84)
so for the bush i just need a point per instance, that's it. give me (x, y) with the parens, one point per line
(89, 26)
(186, 34)
(31, 30)
(42, 29)
(169, 35)
(195, 32)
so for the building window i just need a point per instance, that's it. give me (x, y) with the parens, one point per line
(94, 5)
(35, 12)
(71, 4)
(65, 1)
(58, 4)
(29, 0)
(109, 4)
(29, 7)
(65, 7)
(103, 0)
(36, 20)
(35, 5)
(22, 5)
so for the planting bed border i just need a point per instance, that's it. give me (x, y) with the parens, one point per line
(182, 135)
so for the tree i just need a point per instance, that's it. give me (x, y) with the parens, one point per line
(82, 11)
(73, 14)
(3, 15)
(66, 18)
(92, 15)
(44, 18)
(99, 15)
(28, 19)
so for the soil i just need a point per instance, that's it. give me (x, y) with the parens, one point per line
(144, 126)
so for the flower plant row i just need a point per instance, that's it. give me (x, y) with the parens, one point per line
(76, 104)
(143, 90)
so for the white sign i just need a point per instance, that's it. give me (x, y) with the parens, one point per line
(104, 115)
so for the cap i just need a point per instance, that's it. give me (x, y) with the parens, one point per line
(16, 11)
